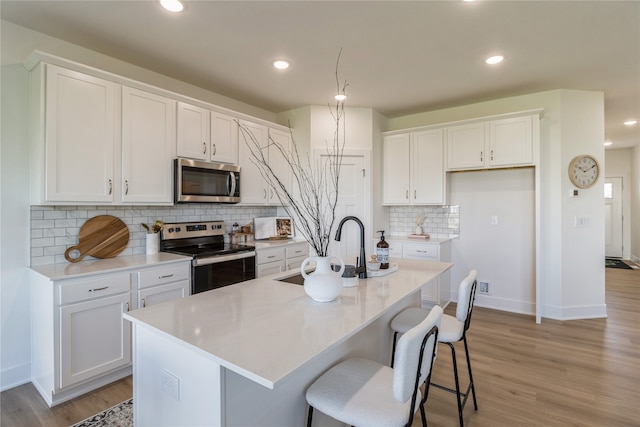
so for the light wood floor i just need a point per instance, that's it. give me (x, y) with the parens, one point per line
(574, 373)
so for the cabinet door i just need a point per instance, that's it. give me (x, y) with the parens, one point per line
(278, 163)
(148, 138)
(427, 168)
(163, 293)
(94, 338)
(80, 137)
(193, 132)
(511, 142)
(270, 268)
(395, 170)
(253, 190)
(465, 146)
(224, 138)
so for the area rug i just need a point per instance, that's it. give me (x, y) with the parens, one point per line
(120, 415)
(616, 263)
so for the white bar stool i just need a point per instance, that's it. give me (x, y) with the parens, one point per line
(452, 330)
(367, 393)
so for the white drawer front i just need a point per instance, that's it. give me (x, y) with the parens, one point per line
(270, 255)
(420, 251)
(94, 288)
(297, 251)
(163, 274)
(395, 249)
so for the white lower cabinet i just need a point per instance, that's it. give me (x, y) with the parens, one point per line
(79, 339)
(281, 258)
(160, 284)
(436, 292)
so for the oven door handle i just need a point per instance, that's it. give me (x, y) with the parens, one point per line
(222, 258)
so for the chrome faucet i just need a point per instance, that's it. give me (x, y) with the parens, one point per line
(362, 266)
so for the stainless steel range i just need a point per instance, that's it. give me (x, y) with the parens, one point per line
(216, 263)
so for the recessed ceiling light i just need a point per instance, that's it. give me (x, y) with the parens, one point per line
(172, 5)
(492, 60)
(340, 97)
(607, 143)
(281, 65)
(630, 122)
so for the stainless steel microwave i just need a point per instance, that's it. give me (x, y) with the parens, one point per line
(206, 182)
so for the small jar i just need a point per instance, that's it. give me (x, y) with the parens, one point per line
(235, 227)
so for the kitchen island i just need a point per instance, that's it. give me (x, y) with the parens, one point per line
(243, 355)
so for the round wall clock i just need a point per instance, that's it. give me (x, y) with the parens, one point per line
(584, 171)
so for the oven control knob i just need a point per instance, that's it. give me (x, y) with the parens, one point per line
(177, 229)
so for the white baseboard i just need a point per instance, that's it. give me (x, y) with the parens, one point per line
(15, 376)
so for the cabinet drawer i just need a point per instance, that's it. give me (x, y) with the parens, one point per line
(269, 255)
(164, 274)
(297, 251)
(395, 249)
(94, 288)
(420, 251)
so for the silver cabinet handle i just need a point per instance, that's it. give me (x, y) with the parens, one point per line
(491, 154)
(126, 307)
(98, 289)
(165, 276)
(144, 303)
(481, 158)
(110, 187)
(126, 187)
(414, 194)
(204, 147)
(213, 149)
(406, 194)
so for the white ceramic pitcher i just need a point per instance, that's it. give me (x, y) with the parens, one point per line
(324, 284)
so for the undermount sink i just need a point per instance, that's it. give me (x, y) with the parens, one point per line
(296, 279)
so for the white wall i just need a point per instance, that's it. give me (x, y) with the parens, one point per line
(15, 347)
(503, 254)
(634, 245)
(572, 260)
(618, 165)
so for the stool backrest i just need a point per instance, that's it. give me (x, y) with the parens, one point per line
(466, 298)
(414, 356)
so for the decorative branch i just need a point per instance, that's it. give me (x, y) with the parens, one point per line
(313, 208)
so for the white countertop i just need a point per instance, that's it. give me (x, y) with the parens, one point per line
(93, 266)
(405, 239)
(264, 244)
(265, 329)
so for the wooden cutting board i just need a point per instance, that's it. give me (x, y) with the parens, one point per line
(103, 236)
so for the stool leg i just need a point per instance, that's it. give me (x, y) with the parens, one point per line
(473, 387)
(309, 416)
(455, 374)
(393, 350)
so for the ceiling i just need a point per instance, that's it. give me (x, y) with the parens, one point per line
(398, 57)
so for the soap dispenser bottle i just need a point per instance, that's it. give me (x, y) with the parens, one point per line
(382, 252)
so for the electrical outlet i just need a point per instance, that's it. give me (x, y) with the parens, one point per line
(170, 385)
(483, 287)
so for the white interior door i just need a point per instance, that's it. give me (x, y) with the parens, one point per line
(613, 217)
(351, 201)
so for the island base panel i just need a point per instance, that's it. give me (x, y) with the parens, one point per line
(173, 385)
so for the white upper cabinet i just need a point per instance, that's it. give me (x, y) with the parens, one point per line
(79, 137)
(206, 135)
(511, 141)
(466, 146)
(148, 138)
(254, 188)
(413, 168)
(193, 132)
(277, 161)
(395, 169)
(224, 138)
(491, 144)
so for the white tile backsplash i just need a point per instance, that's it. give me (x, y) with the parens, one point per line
(440, 221)
(55, 228)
